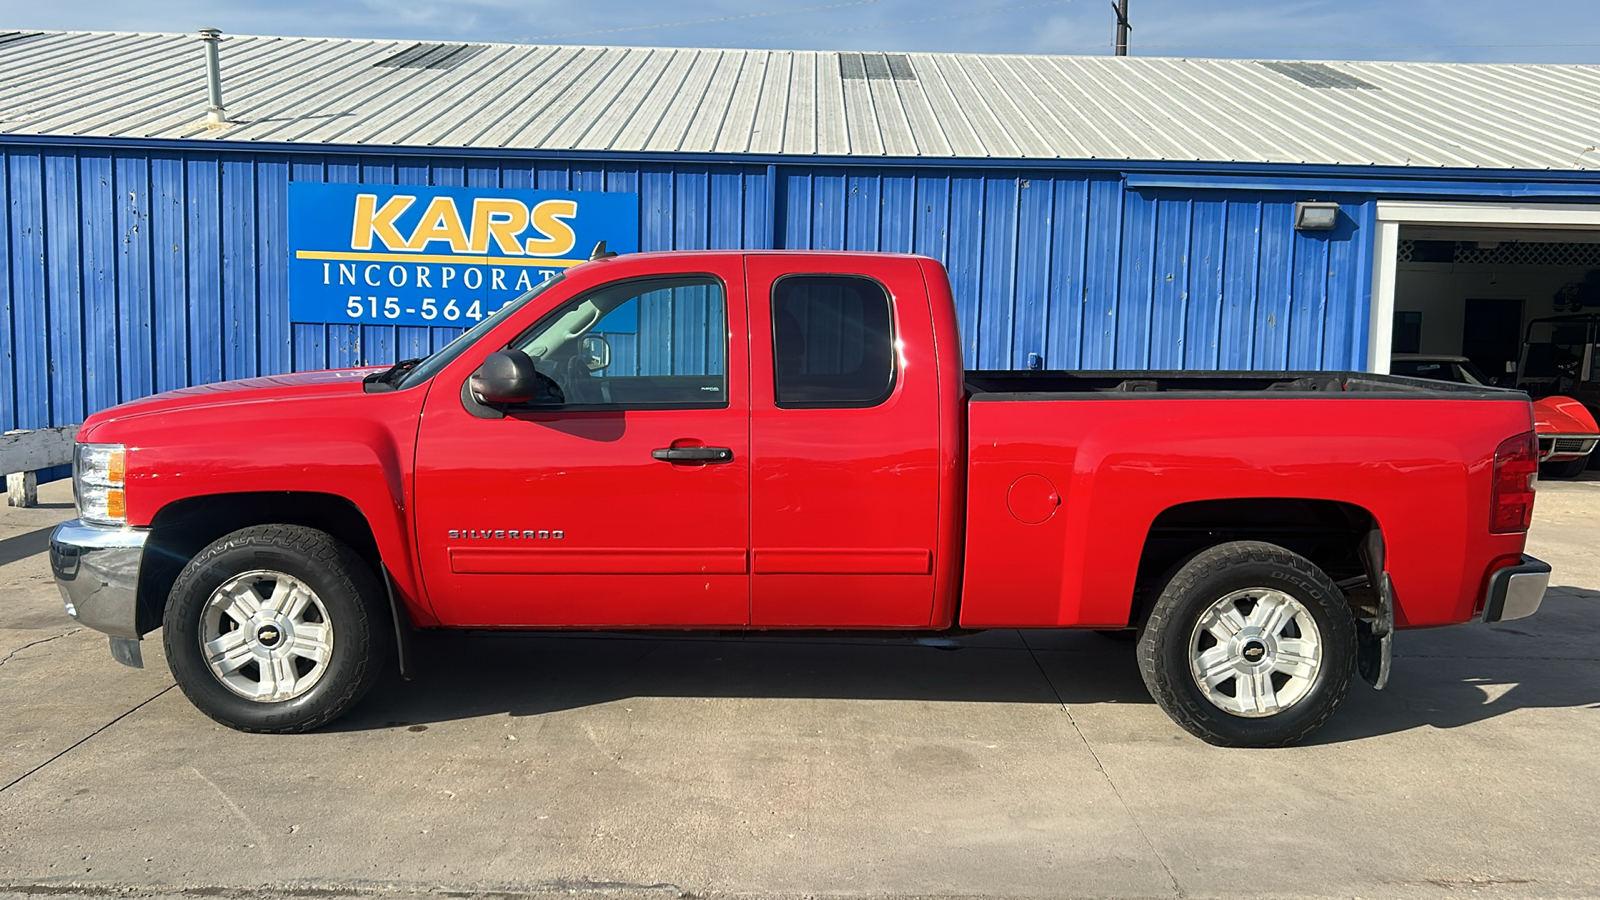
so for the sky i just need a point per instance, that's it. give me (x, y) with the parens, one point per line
(1549, 31)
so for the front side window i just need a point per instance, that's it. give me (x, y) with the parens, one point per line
(832, 342)
(652, 343)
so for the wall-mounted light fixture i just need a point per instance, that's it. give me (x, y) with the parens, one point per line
(1314, 215)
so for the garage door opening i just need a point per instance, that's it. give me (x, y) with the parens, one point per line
(1503, 294)
(1474, 293)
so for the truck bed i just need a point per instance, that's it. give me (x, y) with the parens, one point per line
(1075, 488)
(997, 386)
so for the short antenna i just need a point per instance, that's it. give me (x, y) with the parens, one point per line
(600, 252)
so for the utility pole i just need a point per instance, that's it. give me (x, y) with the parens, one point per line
(1120, 7)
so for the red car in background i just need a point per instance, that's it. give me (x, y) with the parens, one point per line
(1567, 431)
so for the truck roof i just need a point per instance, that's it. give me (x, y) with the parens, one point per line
(839, 254)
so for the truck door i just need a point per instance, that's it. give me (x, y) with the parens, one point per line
(626, 505)
(845, 443)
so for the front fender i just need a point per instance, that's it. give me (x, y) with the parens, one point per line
(351, 445)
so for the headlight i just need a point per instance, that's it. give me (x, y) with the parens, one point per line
(99, 477)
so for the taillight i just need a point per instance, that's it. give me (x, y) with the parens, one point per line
(1516, 464)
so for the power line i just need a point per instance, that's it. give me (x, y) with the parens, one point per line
(775, 12)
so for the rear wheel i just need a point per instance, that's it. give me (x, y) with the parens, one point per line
(1249, 645)
(272, 629)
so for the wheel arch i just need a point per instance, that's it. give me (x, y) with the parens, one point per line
(184, 527)
(1343, 539)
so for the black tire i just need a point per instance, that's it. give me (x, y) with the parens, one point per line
(1567, 468)
(1235, 572)
(345, 605)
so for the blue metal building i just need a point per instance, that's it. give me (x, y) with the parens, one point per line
(1100, 213)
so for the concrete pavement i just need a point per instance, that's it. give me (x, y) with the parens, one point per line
(622, 766)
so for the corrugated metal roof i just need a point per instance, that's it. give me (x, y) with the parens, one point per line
(923, 105)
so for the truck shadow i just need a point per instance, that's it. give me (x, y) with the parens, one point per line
(1443, 678)
(474, 674)
(25, 545)
(1451, 677)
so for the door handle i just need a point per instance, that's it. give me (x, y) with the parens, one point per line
(693, 454)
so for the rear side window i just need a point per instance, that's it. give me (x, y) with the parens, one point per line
(832, 342)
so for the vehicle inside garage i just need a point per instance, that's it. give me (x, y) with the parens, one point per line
(1473, 292)
(1514, 307)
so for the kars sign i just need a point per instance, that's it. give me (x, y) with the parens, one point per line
(381, 254)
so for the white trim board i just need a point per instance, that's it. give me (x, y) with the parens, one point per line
(28, 451)
(1393, 214)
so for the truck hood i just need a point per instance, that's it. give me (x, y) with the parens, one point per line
(1562, 416)
(265, 389)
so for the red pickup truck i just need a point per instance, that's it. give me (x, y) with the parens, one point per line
(769, 440)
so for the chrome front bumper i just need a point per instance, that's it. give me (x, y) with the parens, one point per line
(97, 569)
(1516, 591)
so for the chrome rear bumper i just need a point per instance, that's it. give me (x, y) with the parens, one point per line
(1516, 591)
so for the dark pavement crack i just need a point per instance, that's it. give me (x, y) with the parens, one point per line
(83, 740)
(53, 637)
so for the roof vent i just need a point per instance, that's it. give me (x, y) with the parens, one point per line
(1317, 75)
(216, 116)
(875, 67)
(431, 56)
(12, 37)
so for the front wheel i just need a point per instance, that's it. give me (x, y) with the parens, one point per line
(271, 629)
(1249, 645)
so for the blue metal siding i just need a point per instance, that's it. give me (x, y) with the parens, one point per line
(1207, 249)
(135, 312)
(1101, 217)
(1133, 311)
(99, 272)
(28, 305)
(63, 288)
(1031, 273)
(8, 359)
(1066, 289)
(275, 337)
(1169, 303)
(964, 257)
(129, 270)
(203, 222)
(1241, 235)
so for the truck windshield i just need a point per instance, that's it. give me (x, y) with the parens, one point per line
(430, 366)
